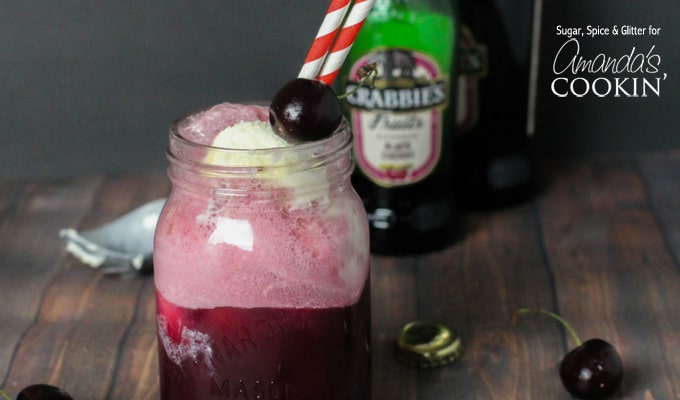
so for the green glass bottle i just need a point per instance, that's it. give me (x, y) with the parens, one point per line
(403, 123)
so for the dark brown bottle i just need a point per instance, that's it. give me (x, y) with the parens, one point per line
(494, 160)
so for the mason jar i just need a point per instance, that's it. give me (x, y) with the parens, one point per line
(261, 267)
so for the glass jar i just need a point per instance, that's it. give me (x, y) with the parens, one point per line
(261, 266)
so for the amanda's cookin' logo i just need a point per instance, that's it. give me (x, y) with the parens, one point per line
(405, 81)
(636, 72)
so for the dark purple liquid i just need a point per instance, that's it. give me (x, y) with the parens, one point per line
(265, 353)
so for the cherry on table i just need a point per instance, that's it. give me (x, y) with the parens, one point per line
(305, 110)
(42, 391)
(591, 371)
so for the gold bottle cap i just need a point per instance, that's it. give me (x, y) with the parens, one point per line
(423, 344)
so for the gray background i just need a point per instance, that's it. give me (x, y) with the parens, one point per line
(91, 87)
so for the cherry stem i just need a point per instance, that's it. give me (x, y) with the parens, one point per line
(554, 316)
(5, 395)
(369, 71)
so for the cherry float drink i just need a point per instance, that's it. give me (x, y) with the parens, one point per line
(261, 264)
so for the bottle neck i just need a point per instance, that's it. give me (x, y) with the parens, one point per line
(440, 6)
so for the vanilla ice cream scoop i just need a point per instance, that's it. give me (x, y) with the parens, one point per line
(247, 135)
(255, 138)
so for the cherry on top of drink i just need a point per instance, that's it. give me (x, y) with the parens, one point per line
(305, 110)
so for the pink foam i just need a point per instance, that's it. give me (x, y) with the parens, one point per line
(312, 257)
(304, 260)
(204, 126)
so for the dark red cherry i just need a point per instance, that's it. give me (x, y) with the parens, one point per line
(305, 110)
(43, 391)
(592, 370)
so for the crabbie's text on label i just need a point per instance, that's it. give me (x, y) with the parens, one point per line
(397, 121)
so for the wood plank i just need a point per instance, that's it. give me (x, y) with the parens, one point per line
(30, 251)
(393, 304)
(601, 247)
(123, 193)
(476, 288)
(137, 371)
(614, 277)
(661, 174)
(516, 362)
(500, 261)
(441, 298)
(85, 316)
(82, 320)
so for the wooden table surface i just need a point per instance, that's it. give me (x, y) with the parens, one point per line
(600, 246)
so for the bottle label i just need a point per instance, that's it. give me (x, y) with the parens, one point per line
(397, 119)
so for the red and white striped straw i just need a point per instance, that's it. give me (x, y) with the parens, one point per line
(344, 41)
(324, 63)
(324, 38)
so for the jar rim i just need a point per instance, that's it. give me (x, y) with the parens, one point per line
(184, 148)
(199, 164)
